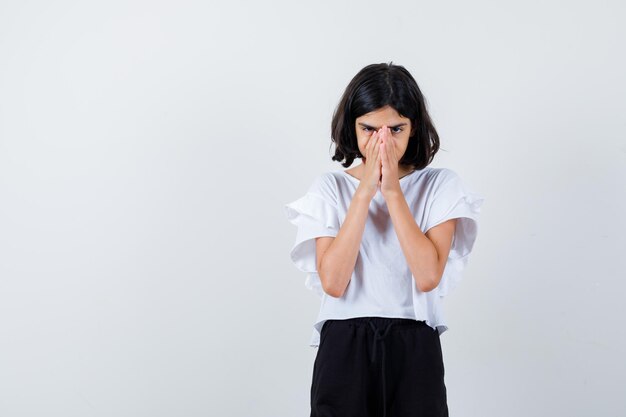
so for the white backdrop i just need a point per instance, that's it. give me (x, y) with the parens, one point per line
(147, 149)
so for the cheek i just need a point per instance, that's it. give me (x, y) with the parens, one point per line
(402, 144)
(362, 141)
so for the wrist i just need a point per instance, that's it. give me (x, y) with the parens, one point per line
(392, 196)
(364, 192)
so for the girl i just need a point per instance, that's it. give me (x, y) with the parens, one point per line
(382, 244)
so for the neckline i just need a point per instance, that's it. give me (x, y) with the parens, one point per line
(358, 180)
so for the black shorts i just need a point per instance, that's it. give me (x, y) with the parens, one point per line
(378, 367)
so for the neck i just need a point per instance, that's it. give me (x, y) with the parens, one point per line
(405, 171)
(402, 171)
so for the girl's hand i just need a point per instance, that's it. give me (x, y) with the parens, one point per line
(371, 177)
(389, 157)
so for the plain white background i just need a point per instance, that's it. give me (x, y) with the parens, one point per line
(147, 149)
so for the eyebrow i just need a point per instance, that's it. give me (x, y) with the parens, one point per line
(376, 128)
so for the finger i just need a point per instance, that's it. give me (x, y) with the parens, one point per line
(368, 144)
(375, 146)
(387, 155)
(393, 147)
(391, 150)
(386, 150)
(370, 139)
(372, 142)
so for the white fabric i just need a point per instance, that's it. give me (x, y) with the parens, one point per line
(382, 284)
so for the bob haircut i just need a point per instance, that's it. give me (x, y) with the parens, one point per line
(374, 87)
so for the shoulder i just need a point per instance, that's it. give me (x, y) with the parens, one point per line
(325, 185)
(449, 186)
(442, 184)
(441, 179)
(442, 176)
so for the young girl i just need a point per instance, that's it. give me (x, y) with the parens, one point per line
(383, 244)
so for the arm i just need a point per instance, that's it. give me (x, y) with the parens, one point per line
(426, 254)
(336, 256)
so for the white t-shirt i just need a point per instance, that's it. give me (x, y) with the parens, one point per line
(382, 284)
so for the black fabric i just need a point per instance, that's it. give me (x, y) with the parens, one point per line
(378, 367)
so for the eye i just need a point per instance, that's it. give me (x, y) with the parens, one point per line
(396, 130)
(367, 129)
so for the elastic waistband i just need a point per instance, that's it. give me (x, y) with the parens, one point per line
(380, 322)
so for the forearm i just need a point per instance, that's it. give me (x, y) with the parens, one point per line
(419, 251)
(337, 264)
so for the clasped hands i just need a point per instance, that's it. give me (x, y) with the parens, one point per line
(381, 162)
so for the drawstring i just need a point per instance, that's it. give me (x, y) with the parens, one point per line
(377, 337)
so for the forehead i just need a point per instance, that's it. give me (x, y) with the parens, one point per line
(384, 116)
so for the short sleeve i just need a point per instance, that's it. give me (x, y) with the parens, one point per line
(452, 199)
(315, 215)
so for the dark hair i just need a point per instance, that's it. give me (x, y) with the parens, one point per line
(374, 87)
